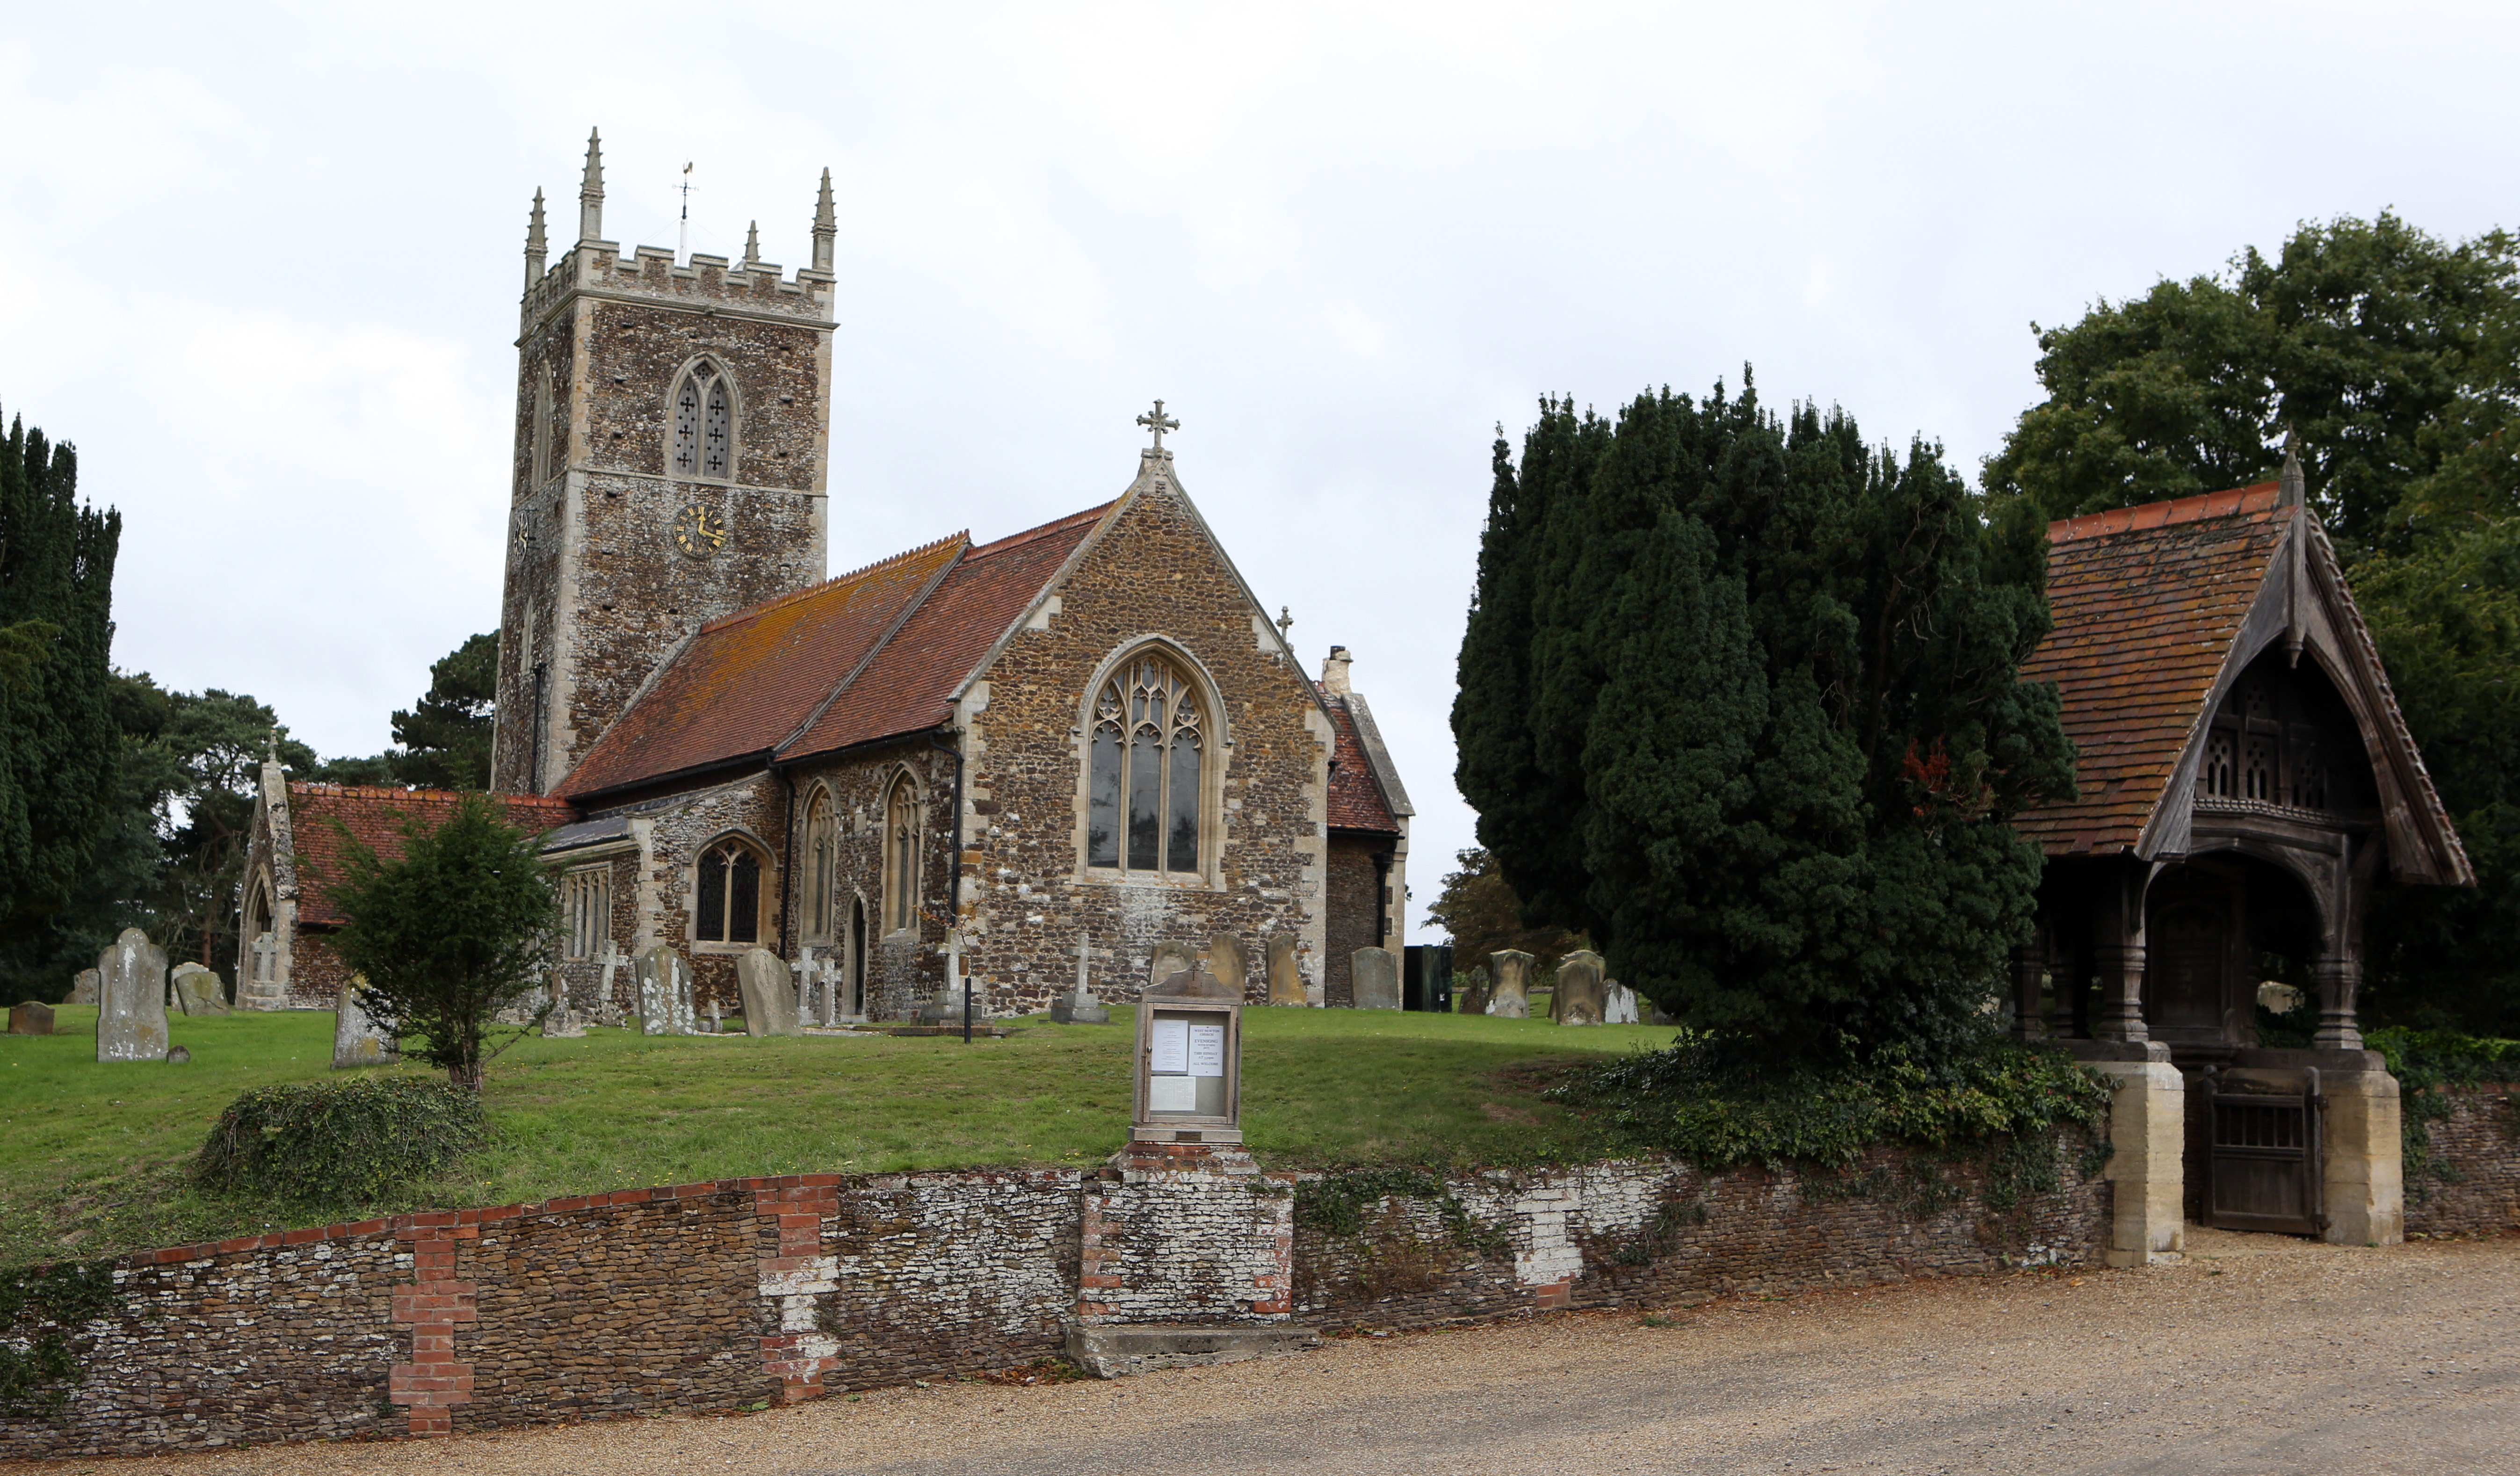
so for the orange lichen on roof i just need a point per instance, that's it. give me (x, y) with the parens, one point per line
(910, 683)
(747, 681)
(2149, 602)
(375, 814)
(1356, 800)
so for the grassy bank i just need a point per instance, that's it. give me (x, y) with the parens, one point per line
(92, 1156)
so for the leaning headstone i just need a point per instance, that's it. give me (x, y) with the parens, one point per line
(1170, 959)
(666, 1004)
(1080, 1007)
(1471, 991)
(1286, 974)
(769, 1003)
(83, 992)
(356, 1039)
(1228, 959)
(1510, 996)
(200, 991)
(34, 1018)
(1618, 1003)
(131, 1000)
(1580, 998)
(1373, 979)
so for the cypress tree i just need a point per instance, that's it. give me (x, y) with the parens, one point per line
(58, 739)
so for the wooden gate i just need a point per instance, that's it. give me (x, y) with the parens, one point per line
(2263, 1166)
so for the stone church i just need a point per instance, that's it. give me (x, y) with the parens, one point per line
(1006, 765)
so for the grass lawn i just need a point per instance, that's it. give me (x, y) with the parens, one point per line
(92, 1156)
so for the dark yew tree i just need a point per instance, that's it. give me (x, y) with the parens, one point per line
(1769, 733)
(2396, 358)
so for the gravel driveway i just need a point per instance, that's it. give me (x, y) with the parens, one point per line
(2263, 1355)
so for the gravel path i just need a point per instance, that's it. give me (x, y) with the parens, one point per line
(2263, 1355)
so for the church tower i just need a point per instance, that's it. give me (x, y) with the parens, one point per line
(673, 438)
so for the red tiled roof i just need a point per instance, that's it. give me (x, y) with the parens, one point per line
(746, 682)
(911, 682)
(2149, 602)
(375, 814)
(863, 656)
(1356, 800)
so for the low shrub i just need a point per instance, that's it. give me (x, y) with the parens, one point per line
(2428, 1065)
(331, 1144)
(1705, 1102)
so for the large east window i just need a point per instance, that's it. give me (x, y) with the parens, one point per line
(729, 901)
(1145, 786)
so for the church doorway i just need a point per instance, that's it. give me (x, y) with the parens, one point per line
(856, 958)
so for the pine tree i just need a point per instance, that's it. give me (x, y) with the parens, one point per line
(58, 743)
(1775, 732)
(445, 737)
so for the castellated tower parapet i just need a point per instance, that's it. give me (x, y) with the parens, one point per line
(671, 458)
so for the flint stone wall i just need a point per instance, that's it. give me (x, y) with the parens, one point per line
(2475, 1189)
(712, 1296)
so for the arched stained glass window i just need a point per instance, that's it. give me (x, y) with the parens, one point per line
(703, 412)
(822, 856)
(727, 906)
(901, 856)
(1146, 789)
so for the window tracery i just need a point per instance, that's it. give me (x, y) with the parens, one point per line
(901, 827)
(822, 857)
(728, 903)
(1145, 788)
(703, 438)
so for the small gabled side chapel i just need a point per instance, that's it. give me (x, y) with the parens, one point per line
(1010, 767)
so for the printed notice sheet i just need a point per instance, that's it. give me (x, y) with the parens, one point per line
(1206, 1049)
(1171, 1044)
(1172, 1093)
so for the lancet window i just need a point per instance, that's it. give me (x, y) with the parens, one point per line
(901, 830)
(822, 859)
(703, 442)
(1146, 789)
(586, 901)
(728, 902)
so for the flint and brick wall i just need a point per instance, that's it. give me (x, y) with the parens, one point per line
(712, 1296)
(2475, 1186)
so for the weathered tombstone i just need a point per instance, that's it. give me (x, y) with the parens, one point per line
(1170, 959)
(665, 1005)
(177, 1055)
(356, 1039)
(608, 1010)
(259, 988)
(1509, 996)
(200, 991)
(35, 1018)
(1228, 959)
(562, 1022)
(1618, 1003)
(1286, 974)
(83, 992)
(1080, 1007)
(131, 1000)
(1580, 998)
(769, 1009)
(1471, 988)
(1375, 980)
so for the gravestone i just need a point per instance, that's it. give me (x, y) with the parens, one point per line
(261, 987)
(198, 990)
(177, 1055)
(607, 1007)
(665, 1004)
(1618, 1003)
(1080, 1007)
(769, 1007)
(131, 1000)
(356, 1039)
(83, 991)
(1228, 959)
(1509, 996)
(1471, 990)
(1375, 980)
(1580, 998)
(1286, 975)
(30, 1018)
(1170, 959)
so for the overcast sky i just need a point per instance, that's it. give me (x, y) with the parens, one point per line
(261, 263)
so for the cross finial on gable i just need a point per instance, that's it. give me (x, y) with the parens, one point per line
(1156, 420)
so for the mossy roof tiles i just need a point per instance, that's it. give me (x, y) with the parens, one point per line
(1356, 798)
(375, 814)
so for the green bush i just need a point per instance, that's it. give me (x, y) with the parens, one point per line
(2427, 1064)
(327, 1144)
(1704, 1101)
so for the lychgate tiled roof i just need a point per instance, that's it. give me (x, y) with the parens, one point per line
(868, 655)
(375, 814)
(2149, 602)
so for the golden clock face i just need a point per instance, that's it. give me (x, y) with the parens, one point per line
(698, 532)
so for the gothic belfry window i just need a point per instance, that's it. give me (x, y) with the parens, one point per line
(542, 432)
(703, 421)
(1146, 787)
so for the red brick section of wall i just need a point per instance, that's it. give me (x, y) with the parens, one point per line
(432, 1303)
(798, 1360)
(2479, 1147)
(1350, 890)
